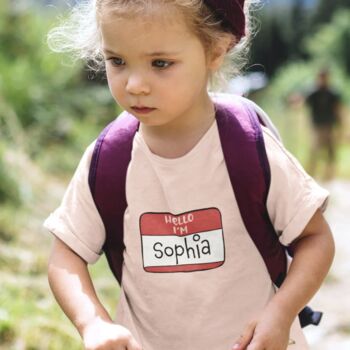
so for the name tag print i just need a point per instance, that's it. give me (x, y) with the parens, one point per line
(191, 241)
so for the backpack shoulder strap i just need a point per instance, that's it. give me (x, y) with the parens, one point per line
(248, 167)
(243, 146)
(107, 179)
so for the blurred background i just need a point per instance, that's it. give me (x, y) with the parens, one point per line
(50, 110)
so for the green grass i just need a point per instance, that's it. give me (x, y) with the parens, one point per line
(29, 315)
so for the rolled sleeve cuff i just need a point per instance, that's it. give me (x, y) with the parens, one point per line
(307, 209)
(56, 227)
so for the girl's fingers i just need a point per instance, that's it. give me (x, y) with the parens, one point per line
(245, 338)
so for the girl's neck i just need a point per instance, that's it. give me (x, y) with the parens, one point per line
(177, 139)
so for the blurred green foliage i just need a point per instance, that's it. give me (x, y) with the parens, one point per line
(326, 48)
(283, 30)
(49, 112)
(294, 76)
(42, 94)
(8, 186)
(330, 44)
(325, 10)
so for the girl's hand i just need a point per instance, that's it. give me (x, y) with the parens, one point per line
(102, 335)
(268, 332)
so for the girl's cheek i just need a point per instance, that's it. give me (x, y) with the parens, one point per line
(111, 84)
(114, 82)
(115, 91)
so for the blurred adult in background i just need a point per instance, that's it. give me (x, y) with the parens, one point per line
(324, 104)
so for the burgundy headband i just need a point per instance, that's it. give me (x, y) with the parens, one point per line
(231, 13)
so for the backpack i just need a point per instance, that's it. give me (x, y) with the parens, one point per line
(239, 123)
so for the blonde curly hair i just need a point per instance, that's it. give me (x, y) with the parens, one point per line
(79, 33)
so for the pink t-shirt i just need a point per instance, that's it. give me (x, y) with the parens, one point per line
(192, 276)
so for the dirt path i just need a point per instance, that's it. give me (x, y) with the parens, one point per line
(334, 297)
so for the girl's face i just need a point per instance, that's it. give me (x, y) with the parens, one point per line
(157, 70)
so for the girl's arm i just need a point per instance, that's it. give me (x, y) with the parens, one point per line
(313, 255)
(72, 287)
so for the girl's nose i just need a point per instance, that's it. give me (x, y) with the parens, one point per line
(137, 85)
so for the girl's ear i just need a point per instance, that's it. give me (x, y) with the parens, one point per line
(219, 51)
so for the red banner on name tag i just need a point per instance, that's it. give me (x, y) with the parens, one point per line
(195, 221)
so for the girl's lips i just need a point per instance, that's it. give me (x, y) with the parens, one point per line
(142, 110)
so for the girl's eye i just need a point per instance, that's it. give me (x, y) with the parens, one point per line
(161, 64)
(117, 61)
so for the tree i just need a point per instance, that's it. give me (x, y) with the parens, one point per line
(281, 36)
(270, 47)
(298, 27)
(330, 44)
(325, 10)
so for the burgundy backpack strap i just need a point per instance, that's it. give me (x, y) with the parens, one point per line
(246, 160)
(249, 171)
(107, 179)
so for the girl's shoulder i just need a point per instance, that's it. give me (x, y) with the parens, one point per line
(280, 159)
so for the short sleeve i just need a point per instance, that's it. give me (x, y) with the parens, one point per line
(294, 196)
(76, 221)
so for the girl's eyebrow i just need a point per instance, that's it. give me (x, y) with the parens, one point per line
(162, 53)
(150, 54)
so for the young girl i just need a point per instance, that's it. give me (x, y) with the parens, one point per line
(159, 56)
